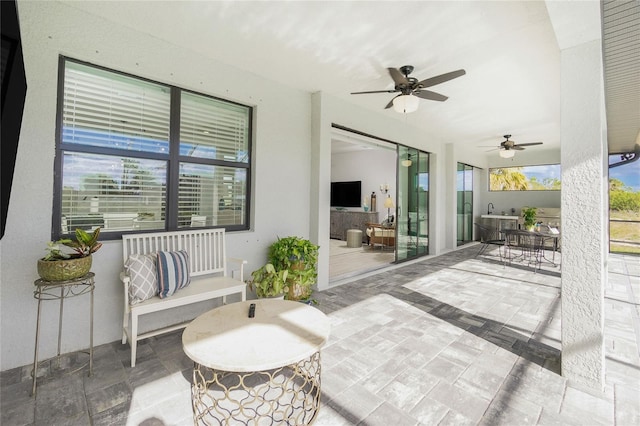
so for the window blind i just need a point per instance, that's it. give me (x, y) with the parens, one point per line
(210, 128)
(215, 192)
(116, 148)
(107, 109)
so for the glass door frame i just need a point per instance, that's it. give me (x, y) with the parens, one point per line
(412, 183)
(464, 197)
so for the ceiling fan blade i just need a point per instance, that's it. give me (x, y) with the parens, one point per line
(390, 104)
(517, 148)
(529, 144)
(397, 76)
(489, 150)
(433, 96)
(374, 91)
(441, 78)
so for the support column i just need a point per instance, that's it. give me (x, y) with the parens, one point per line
(584, 204)
(451, 197)
(320, 186)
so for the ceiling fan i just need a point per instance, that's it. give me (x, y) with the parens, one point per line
(508, 147)
(411, 89)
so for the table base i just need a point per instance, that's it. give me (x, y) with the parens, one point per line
(287, 395)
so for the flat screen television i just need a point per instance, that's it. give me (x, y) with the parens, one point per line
(346, 194)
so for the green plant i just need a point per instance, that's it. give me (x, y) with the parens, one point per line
(622, 200)
(269, 282)
(288, 251)
(529, 217)
(84, 245)
(299, 257)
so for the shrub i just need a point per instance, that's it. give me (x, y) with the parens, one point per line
(624, 200)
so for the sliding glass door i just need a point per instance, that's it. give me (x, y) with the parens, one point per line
(464, 203)
(413, 203)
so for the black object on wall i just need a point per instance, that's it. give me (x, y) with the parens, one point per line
(346, 194)
(14, 90)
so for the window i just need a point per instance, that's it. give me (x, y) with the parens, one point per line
(138, 155)
(525, 178)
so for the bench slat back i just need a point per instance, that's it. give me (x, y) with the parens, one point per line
(206, 247)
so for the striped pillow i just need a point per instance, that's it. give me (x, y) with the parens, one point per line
(173, 272)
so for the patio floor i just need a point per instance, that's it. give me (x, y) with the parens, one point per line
(449, 340)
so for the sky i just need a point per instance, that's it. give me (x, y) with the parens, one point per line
(629, 174)
(542, 172)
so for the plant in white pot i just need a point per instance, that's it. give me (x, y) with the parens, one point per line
(299, 257)
(61, 265)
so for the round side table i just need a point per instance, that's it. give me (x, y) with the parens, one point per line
(260, 370)
(60, 290)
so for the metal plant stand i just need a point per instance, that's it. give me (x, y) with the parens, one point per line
(60, 290)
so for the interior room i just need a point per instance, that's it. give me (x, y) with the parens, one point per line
(360, 167)
(234, 120)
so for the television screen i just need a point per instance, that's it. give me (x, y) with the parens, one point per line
(346, 194)
(14, 89)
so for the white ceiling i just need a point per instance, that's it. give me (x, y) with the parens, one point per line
(508, 49)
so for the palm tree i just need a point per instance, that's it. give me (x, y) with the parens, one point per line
(508, 179)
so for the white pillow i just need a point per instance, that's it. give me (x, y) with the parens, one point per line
(144, 277)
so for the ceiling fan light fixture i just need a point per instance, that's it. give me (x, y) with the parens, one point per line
(507, 153)
(406, 163)
(406, 103)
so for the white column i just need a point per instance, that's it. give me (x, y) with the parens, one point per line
(320, 186)
(584, 214)
(451, 196)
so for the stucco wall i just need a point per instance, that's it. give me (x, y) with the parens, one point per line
(281, 155)
(585, 218)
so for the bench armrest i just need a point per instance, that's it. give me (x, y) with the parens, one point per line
(126, 281)
(241, 263)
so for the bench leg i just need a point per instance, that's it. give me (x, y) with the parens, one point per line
(134, 338)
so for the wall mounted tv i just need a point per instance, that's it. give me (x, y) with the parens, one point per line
(346, 194)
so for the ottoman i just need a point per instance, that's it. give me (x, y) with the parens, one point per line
(354, 238)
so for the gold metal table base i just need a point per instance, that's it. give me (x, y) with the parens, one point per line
(288, 395)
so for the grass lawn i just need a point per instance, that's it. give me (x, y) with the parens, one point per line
(625, 231)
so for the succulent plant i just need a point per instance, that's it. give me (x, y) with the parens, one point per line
(84, 245)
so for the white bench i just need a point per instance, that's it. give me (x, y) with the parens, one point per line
(209, 280)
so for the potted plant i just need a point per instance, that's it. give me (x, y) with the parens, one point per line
(299, 257)
(61, 265)
(269, 282)
(529, 217)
